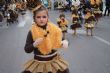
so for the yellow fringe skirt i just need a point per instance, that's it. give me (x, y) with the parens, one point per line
(63, 28)
(89, 25)
(53, 65)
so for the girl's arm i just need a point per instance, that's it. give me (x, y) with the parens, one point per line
(29, 43)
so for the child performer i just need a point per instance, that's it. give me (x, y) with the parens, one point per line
(97, 12)
(89, 22)
(93, 2)
(75, 21)
(62, 22)
(44, 39)
(96, 8)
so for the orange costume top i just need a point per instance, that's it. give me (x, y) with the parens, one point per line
(75, 17)
(62, 22)
(93, 2)
(51, 41)
(89, 20)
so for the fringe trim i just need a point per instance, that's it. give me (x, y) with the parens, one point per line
(89, 25)
(53, 66)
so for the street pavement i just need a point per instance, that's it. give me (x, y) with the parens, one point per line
(86, 54)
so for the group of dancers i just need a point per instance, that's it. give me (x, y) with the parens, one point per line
(90, 19)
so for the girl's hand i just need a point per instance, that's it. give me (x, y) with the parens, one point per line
(37, 42)
(65, 44)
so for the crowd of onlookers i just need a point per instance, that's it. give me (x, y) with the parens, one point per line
(11, 11)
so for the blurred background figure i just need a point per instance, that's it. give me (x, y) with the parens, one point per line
(107, 9)
(89, 22)
(75, 22)
(63, 24)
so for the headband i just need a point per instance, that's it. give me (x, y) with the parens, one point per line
(36, 8)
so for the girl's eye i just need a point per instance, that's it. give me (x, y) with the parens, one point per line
(38, 16)
(44, 16)
(41, 16)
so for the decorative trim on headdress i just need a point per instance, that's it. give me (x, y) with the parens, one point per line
(39, 6)
(36, 8)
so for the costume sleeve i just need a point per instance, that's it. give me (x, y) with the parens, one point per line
(58, 22)
(86, 20)
(67, 22)
(29, 43)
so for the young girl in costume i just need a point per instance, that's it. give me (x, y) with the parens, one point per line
(62, 22)
(97, 12)
(89, 22)
(93, 2)
(44, 39)
(96, 8)
(75, 21)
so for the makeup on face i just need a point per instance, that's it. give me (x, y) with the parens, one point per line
(41, 17)
(63, 19)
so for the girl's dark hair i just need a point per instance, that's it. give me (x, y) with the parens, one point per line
(88, 11)
(74, 12)
(38, 9)
(62, 15)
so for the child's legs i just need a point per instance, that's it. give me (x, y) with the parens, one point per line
(63, 35)
(87, 29)
(75, 31)
(65, 71)
(91, 31)
(26, 72)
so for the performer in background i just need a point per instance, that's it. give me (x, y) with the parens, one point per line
(75, 21)
(89, 22)
(97, 12)
(107, 9)
(63, 24)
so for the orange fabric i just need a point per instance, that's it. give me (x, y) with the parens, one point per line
(74, 15)
(88, 15)
(62, 23)
(93, 2)
(53, 39)
(18, 5)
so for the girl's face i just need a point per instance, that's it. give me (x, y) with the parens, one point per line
(41, 18)
(62, 18)
(88, 13)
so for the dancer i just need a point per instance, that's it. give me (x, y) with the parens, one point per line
(44, 39)
(63, 24)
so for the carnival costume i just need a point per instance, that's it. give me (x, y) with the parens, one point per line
(97, 12)
(75, 21)
(46, 58)
(89, 21)
(93, 2)
(62, 24)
